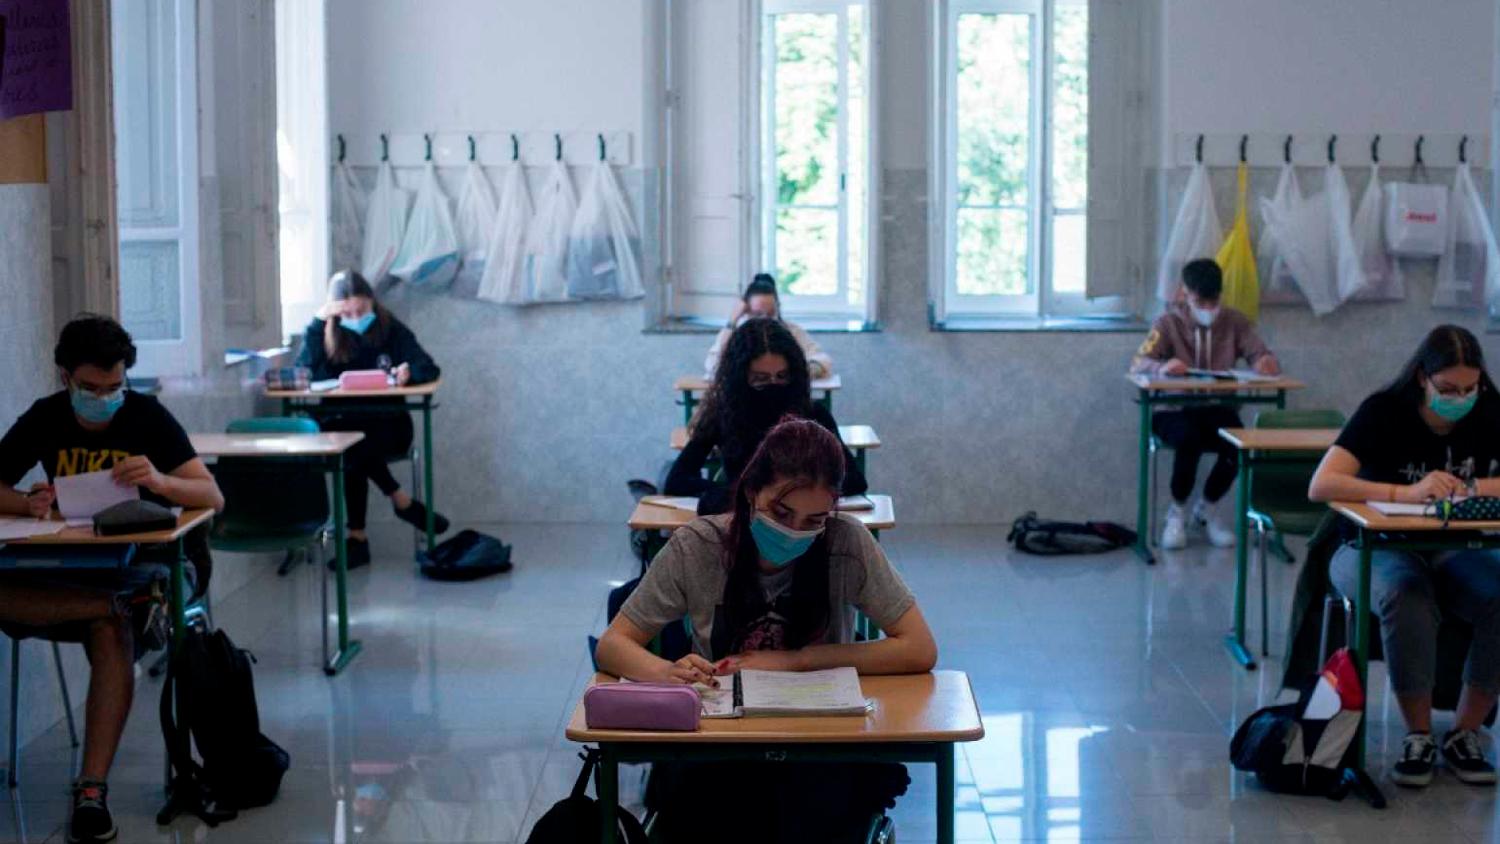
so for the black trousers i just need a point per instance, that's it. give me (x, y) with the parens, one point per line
(386, 436)
(1193, 432)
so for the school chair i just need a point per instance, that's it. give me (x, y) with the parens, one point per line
(1278, 498)
(15, 706)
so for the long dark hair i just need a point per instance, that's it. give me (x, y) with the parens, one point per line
(1444, 347)
(805, 454)
(346, 284)
(740, 413)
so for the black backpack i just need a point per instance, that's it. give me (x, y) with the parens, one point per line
(1047, 538)
(467, 555)
(575, 818)
(211, 683)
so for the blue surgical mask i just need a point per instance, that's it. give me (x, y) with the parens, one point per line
(96, 409)
(778, 544)
(1450, 408)
(360, 324)
(1204, 316)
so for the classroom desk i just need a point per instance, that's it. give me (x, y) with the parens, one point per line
(1185, 392)
(1377, 531)
(1262, 447)
(916, 718)
(859, 439)
(327, 448)
(690, 385)
(414, 397)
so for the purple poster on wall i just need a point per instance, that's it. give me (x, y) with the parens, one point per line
(36, 65)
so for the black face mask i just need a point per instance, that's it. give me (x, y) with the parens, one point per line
(770, 402)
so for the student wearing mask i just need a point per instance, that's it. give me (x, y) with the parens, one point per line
(773, 584)
(95, 424)
(762, 377)
(1199, 333)
(354, 331)
(762, 300)
(1431, 434)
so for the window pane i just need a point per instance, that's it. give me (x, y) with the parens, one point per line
(150, 290)
(1069, 251)
(992, 252)
(856, 193)
(1070, 106)
(807, 257)
(994, 108)
(805, 80)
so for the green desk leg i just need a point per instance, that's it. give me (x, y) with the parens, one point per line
(859, 462)
(347, 649)
(609, 793)
(945, 786)
(179, 595)
(688, 404)
(1362, 638)
(427, 471)
(828, 401)
(1143, 485)
(1235, 641)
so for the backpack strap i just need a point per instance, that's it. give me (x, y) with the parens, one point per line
(590, 757)
(179, 748)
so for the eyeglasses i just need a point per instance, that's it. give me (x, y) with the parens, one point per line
(1455, 392)
(760, 380)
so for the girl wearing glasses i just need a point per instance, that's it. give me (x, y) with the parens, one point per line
(762, 376)
(1432, 434)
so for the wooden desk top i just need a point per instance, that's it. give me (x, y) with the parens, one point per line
(322, 444)
(1371, 519)
(1280, 439)
(698, 383)
(390, 392)
(855, 436)
(1209, 385)
(85, 535)
(650, 516)
(935, 707)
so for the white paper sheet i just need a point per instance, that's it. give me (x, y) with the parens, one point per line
(834, 691)
(1400, 508)
(79, 497)
(718, 703)
(324, 386)
(16, 527)
(676, 502)
(856, 503)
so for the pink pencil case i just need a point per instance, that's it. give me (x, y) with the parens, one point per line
(641, 706)
(364, 379)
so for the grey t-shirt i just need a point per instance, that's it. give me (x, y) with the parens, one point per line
(687, 579)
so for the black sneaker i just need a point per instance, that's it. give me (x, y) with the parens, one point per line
(91, 820)
(1418, 756)
(1465, 756)
(415, 515)
(356, 554)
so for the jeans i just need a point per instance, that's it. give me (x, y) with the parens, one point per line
(1411, 593)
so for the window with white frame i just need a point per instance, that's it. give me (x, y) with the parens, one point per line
(1011, 168)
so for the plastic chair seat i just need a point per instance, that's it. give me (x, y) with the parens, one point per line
(1294, 522)
(262, 541)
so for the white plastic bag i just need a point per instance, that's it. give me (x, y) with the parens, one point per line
(475, 221)
(1277, 286)
(1349, 279)
(547, 242)
(1318, 242)
(1468, 273)
(349, 208)
(1416, 217)
(429, 252)
(1196, 233)
(385, 224)
(508, 274)
(1382, 282)
(604, 245)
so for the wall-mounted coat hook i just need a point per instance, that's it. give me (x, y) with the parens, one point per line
(1244, 145)
(1419, 160)
(427, 139)
(557, 139)
(1375, 150)
(515, 148)
(602, 155)
(1198, 154)
(385, 147)
(1332, 141)
(1463, 150)
(1286, 150)
(473, 149)
(343, 150)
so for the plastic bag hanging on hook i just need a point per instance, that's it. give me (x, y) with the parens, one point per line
(1278, 286)
(547, 243)
(1196, 233)
(429, 251)
(604, 245)
(1318, 241)
(1237, 257)
(508, 270)
(1382, 283)
(349, 206)
(474, 221)
(385, 224)
(1468, 273)
(1416, 216)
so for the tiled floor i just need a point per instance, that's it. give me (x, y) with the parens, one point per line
(1108, 704)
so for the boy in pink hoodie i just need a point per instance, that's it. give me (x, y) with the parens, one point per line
(1196, 333)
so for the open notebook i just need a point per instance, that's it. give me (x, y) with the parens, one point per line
(1241, 375)
(751, 693)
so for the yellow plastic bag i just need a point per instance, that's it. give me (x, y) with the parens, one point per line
(1237, 258)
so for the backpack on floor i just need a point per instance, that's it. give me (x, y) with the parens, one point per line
(1047, 538)
(468, 555)
(575, 818)
(1308, 747)
(210, 681)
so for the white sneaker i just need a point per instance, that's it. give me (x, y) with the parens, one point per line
(1174, 534)
(1200, 513)
(1221, 532)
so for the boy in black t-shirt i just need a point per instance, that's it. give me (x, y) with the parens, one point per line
(94, 424)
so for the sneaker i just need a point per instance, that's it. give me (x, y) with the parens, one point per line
(356, 555)
(1200, 513)
(91, 820)
(415, 515)
(1465, 756)
(1221, 532)
(1418, 755)
(1174, 534)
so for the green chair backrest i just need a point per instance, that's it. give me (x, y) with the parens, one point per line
(271, 496)
(1282, 490)
(273, 425)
